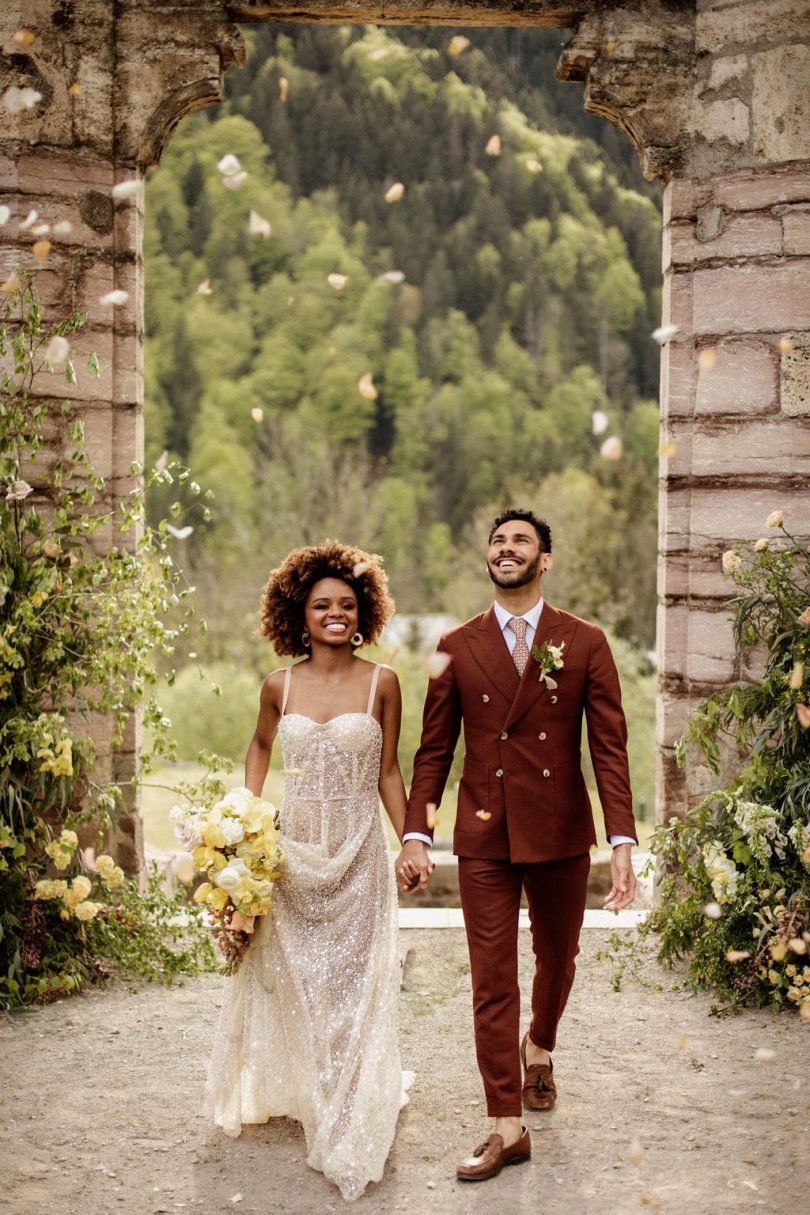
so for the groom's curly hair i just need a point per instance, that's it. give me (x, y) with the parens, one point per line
(284, 596)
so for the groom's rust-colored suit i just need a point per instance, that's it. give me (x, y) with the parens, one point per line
(524, 817)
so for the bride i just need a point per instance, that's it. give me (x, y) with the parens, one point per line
(308, 1025)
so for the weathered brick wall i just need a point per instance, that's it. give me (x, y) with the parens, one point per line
(714, 95)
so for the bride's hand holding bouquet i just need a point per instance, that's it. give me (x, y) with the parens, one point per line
(235, 844)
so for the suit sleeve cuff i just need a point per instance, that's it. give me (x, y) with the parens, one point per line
(417, 835)
(615, 840)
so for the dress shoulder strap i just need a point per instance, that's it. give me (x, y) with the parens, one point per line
(373, 689)
(287, 678)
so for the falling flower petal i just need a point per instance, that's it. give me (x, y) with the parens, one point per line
(458, 44)
(804, 1010)
(204, 288)
(62, 227)
(379, 53)
(797, 676)
(436, 664)
(16, 100)
(57, 351)
(430, 816)
(803, 714)
(636, 1152)
(612, 448)
(737, 955)
(707, 359)
(804, 618)
(257, 414)
(786, 344)
(797, 945)
(359, 568)
(394, 193)
(668, 448)
(484, 815)
(295, 771)
(23, 37)
(5, 215)
(29, 221)
(599, 421)
(290, 301)
(41, 230)
(493, 146)
(681, 1041)
(534, 166)
(663, 333)
(179, 533)
(610, 47)
(162, 461)
(41, 249)
(51, 550)
(234, 182)
(712, 911)
(74, 89)
(258, 225)
(366, 387)
(283, 89)
(89, 857)
(389, 655)
(337, 281)
(11, 284)
(114, 298)
(229, 165)
(19, 491)
(764, 1053)
(393, 276)
(235, 1198)
(125, 189)
(183, 868)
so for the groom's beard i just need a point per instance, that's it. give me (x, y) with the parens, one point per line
(514, 578)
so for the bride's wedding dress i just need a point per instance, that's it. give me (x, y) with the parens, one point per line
(308, 1027)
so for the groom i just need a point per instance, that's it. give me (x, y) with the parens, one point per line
(520, 677)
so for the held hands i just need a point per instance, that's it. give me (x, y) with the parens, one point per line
(623, 889)
(413, 867)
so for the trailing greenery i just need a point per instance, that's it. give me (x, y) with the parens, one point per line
(736, 887)
(85, 592)
(476, 325)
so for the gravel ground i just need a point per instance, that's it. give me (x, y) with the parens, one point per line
(101, 1099)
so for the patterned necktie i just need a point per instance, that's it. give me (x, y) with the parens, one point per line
(520, 654)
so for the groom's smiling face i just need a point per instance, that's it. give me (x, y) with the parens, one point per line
(514, 556)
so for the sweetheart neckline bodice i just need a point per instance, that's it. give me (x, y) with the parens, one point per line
(328, 722)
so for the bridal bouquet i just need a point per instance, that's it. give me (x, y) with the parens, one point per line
(236, 845)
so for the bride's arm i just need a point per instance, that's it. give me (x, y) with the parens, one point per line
(257, 760)
(391, 786)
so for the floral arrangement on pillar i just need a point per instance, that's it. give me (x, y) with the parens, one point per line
(86, 588)
(735, 894)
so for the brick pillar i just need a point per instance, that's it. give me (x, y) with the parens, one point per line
(736, 439)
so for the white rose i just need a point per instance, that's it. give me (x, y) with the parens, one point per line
(232, 830)
(231, 877)
(731, 561)
(775, 519)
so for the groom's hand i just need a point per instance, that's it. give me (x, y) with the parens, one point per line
(623, 888)
(413, 866)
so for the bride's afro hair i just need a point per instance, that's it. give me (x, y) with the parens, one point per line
(284, 596)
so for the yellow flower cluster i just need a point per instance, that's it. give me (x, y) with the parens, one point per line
(56, 758)
(236, 845)
(112, 876)
(61, 850)
(73, 896)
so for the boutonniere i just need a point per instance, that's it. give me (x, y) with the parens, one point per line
(548, 658)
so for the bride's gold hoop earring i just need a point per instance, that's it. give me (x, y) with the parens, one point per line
(305, 638)
(357, 640)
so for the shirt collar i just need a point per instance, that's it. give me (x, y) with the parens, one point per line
(532, 617)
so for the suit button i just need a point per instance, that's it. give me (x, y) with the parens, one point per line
(554, 700)
(546, 772)
(542, 736)
(485, 699)
(504, 735)
(499, 772)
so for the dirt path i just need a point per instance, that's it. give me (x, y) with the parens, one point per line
(101, 1096)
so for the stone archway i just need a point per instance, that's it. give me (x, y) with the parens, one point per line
(713, 95)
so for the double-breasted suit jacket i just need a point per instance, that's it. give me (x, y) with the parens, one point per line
(522, 795)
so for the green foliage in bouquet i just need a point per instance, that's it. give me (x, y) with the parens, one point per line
(736, 887)
(86, 589)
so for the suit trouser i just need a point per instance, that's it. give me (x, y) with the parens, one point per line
(490, 895)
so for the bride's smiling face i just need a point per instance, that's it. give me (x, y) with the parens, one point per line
(331, 614)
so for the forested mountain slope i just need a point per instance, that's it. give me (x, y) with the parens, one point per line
(455, 278)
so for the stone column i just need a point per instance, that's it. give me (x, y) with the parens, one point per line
(114, 80)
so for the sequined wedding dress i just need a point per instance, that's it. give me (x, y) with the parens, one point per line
(308, 1028)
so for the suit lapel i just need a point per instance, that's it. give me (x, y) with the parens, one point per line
(488, 648)
(552, 627)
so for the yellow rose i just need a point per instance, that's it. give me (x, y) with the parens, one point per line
(105, 865)
(115, 879)
(87, 911)
(773, 977)
(69, 838)
(790, 971)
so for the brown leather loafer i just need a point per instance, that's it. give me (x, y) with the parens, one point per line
(488, 1159)
(539, 1089)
